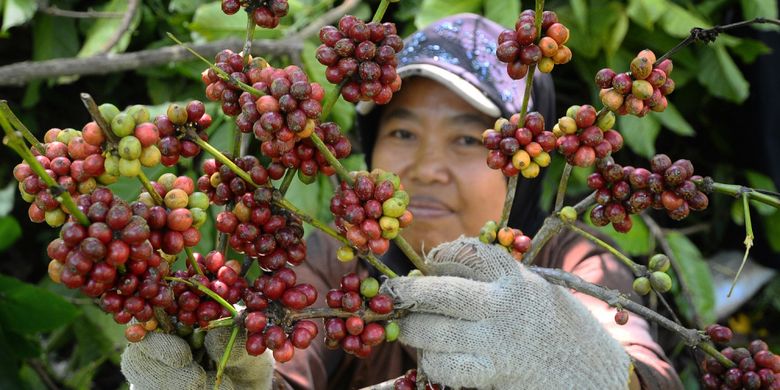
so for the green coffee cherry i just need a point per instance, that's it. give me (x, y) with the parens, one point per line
(139, 113)
(391, 331)
(571, 112)
(393, 207)
(55, 218)
(108, 111)
(122, 125)
(641, 285)
(403, 196)
(607, 121)
(306, 179)
(659, 262)
(130, 148)
(568, 214)
(345, 254)
(369, 287)
(199, 217)
(199, 200)
(129, 168)
(661, 281)
(414, 273)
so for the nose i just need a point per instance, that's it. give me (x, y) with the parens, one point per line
(429, 164)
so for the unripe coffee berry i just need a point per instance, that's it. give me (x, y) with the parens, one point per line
(661, 281)
(568, 214)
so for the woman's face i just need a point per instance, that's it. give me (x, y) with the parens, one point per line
(432, 139)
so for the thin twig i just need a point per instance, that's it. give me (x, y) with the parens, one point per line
(691, 337)
(36, 365)
(287, 180)
(659, 236)
(699, 34)
(127, 19)
(559, 198)
(748, 241)
(637, 269)
(225, 356)
(88, 14)
(552, 225)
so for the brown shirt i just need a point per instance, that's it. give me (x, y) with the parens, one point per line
(320, 368)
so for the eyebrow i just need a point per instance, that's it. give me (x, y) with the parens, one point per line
(399, 113)
(471, 118)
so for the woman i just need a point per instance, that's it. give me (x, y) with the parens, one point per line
(430, 134)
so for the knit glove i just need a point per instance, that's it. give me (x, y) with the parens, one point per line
(163, 361)
(486, 321)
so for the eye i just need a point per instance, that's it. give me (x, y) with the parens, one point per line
(401, 134)
(468, 140)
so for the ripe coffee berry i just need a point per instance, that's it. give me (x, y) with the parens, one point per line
(265, 13)
(174, 141)
(583, 136)
(521, 47)
(519, 149)
(362, 56)
(639, 91)
(371, 211)
(513, 240)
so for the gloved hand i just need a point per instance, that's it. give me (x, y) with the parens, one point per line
(163, 361)
(487, 321)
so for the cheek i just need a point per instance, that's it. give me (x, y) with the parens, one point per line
(392, 157)
(482, 191)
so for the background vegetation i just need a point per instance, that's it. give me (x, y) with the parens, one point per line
(723, 116)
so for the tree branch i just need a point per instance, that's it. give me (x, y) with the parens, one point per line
(88, 14)
(124, 25)
(20, 73)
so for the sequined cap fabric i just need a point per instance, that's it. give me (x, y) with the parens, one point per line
(465, 45)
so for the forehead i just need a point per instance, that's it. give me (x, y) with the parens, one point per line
(422, 97)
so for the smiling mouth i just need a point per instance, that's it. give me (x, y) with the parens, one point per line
(428, 207)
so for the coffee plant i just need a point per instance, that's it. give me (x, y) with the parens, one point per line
(120, 252)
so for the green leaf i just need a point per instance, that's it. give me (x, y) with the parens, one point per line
(185, 6)
(433, 10)
(10, 231)
(54, 38)
(646, 12)
(760, 9)
(9, 361)
(747, 49)
(617, 34)
(103, 29)
(17, 12)
(674, 121)
(695, 272)
(210, 23)
(678, 22)
(503, 12)
(7, 197)
(637, 242)
(738, 212)
(26, 308)
(721, 76)
(639, 133)
(580, 10)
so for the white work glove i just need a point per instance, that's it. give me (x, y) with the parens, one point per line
(163, 361)
(486, 321)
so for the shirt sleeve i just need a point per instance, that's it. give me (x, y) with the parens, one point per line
(652, 367)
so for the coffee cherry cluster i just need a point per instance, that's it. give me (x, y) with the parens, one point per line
(265, 13)
(519, 149)
(191, 306)
(306, 157)
(756, 367)
(174, 224)
(583, 136)
(288, 111)
(513, 240)
(372, 210)
(523, 47)
(137, 139)
(227, 91)
(111, 259)
(361, 55)
(174, 142)
(658, 279)
(620, 192)
(409, 382)
(279, 286)
(354, 334)
(673, 188)
(68, 159)
(222, 185)
(261, 230)
(639, 91)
